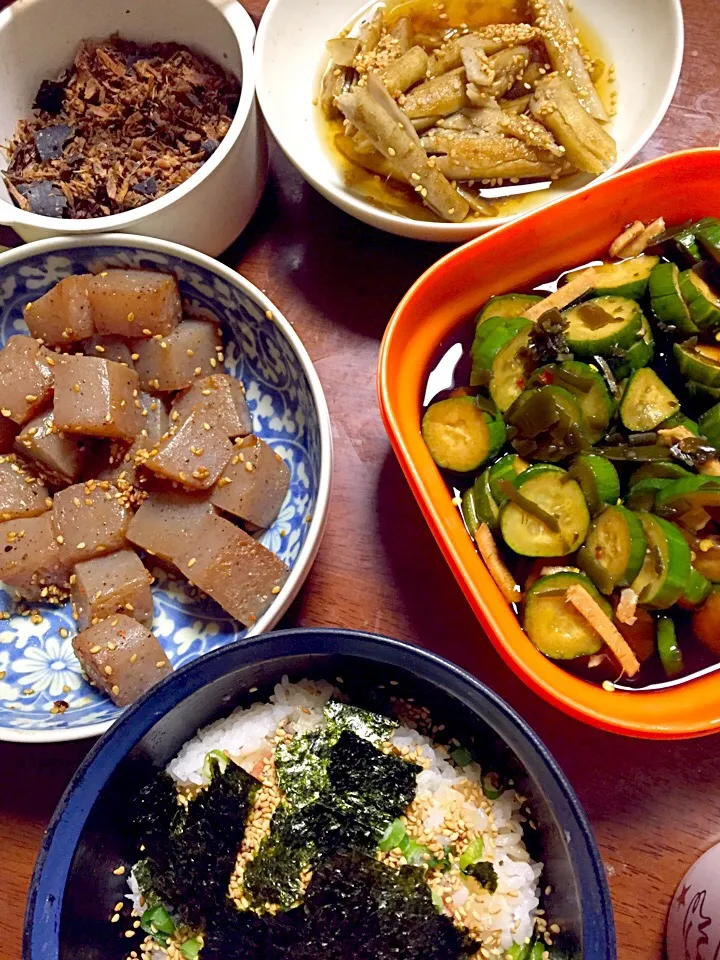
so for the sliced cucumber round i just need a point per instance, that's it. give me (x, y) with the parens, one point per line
(510, 370)
(699, 362)
(647, 402)
(702, 301)
(697, 591)
(598, 479)
(666, 569)
(469, 512)
(709, 425)
(707, 236)
(667, 301)
(553, 625)
(668, 649)
(703, 391)
(587, 386)
(660, 470)
(688, 493)
(639, 355)
(460, 436)
(485, 507)
(507, 305)
(629, 278)
(506, 468)
(549, 518)
(614, 552)
(643, 495)
(598, 326)
(490, 338)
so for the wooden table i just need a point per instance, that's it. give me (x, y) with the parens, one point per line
(654, 806)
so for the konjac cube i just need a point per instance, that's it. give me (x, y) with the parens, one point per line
(96, 397)
(59, 456)
(63, 315)
(194, 455)
(26, 379)
(177, 361)
(224, 397)
(22, 494)
(134, 303)
(90, 519)
(253, 484)
(115, 583)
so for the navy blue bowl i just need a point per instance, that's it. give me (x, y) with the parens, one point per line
(73, 887)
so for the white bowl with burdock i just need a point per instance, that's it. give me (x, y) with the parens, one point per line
(442, 119)
(129, 116)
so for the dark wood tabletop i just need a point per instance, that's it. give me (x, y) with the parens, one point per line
(655, 807)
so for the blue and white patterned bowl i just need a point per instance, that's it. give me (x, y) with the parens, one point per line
(37, 664)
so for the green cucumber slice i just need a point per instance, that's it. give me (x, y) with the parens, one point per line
(598, 479)
(547, 424)
(490, 338)
(510, 370)
(639, 355)
(629, 278)
(643, 496)
(506, 468)
(664, 574)
(707, 236)
(668, 649)
(556, 495)
(588, 335)
(688, 493)
(703, 303)
(469, 512)
(699, 362)
(459, 435)
(666, 299)
(662, 470)
(553, 625)
(709, 425)
(588, 387)
(647, 402)
(697, 591)
(507, 305)
(701, 390)
(485, 507)
(614, 552)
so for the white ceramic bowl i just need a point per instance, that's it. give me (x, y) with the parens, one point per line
(643, 39)
(37, 664)
(38, 39)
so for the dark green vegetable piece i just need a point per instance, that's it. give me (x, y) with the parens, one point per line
(191, 949)
(484, 873)
(461, 756)
(547, 424)
(157, 919)
(548, 343)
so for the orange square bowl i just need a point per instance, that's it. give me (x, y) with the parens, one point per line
(576, 230)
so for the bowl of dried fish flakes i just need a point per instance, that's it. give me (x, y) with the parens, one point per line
(132, 117)
(442, 119)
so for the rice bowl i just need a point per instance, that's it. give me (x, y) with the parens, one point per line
(307, 757)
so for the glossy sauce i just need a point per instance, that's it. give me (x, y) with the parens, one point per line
(450, 372)
(508, 199)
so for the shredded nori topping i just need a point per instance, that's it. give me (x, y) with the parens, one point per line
(357, 791)
(484, 873)
(191, 856)
(548, 343)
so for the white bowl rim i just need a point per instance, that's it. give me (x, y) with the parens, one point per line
(307, 555)
(244, 30)
(449, 232)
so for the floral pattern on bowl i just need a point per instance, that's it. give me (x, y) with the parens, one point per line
(37, 663)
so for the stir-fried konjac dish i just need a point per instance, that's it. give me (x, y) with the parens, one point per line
(584, 451)
(451, 109)
(120, 431)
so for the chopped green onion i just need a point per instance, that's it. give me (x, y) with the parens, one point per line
(157, 919)
(461, 756)
(190, 949)
(415, 853)
(472, 853)
(492, 787)
(437, 901)
(393, 836)
(222, 762)
(537, 951)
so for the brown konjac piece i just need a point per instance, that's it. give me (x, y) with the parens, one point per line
(224, 397)
(63, 315)
(90, 519)
(166, 524)
(115, 583)
(21, 493)
(135, 303)
(26, 379)
(111, 460)
(253, 484)
(108, 348)
(8, 432)
(154, 423)
(121, 657)
(194, 455)
(242, 575)
(123, 125)
(30, 558)
(193, 350)
(60, 457)
(96, 397)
